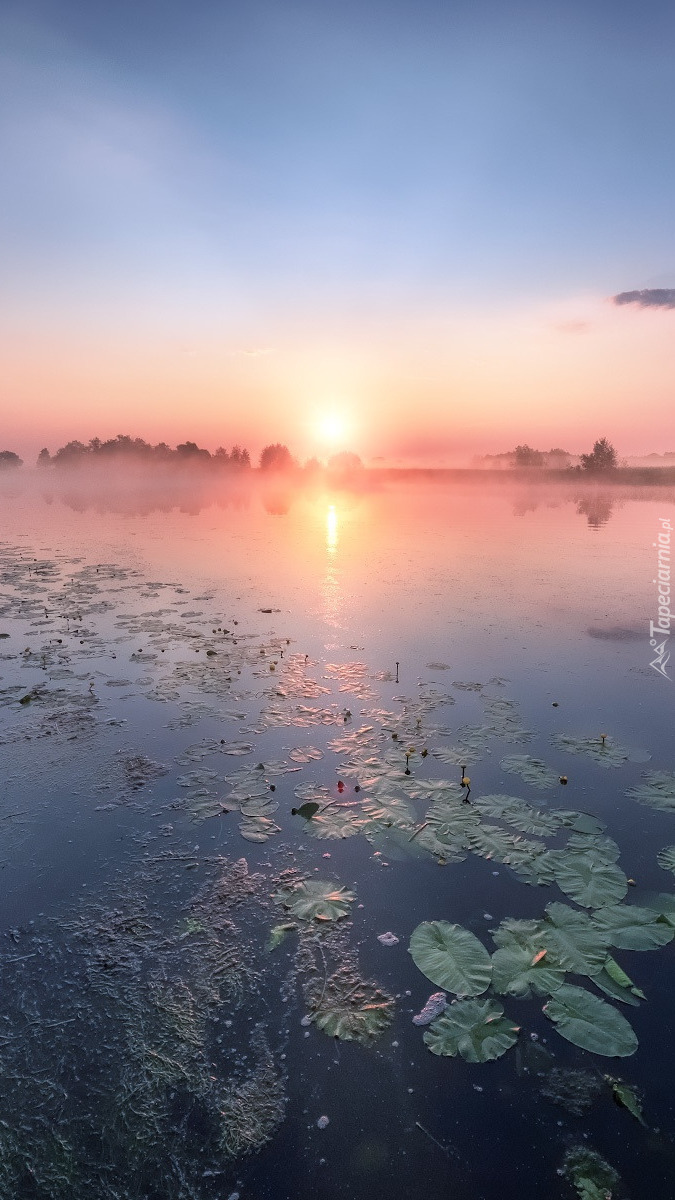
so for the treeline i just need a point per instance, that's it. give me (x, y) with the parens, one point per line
(601, 458)
(128, 449)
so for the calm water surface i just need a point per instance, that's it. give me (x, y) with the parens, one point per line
(182, 670)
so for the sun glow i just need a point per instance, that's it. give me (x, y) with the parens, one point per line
(332, 428)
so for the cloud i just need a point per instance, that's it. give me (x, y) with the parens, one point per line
(573, 326)
(648, 298)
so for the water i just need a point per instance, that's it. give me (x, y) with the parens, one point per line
(162, 642)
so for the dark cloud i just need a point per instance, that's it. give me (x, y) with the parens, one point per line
(648, 298)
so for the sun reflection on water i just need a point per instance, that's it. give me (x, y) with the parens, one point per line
(332, 592)
(332, 529)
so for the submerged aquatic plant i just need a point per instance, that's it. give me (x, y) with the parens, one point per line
(316, 900)
(591, 1175)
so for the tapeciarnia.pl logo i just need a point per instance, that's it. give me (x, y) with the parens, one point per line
(660, 629)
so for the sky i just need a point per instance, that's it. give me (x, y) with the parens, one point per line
(395, 226)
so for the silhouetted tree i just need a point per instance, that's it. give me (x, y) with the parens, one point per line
(602, 457)
(239, 457)
(9, 460)
(70, 454)
(190, 450)
(558, 458)
(525, 456)
(44, 458)
(276, 458)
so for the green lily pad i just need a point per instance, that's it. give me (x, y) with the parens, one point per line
(306, 754)
(531, 770)
(573, 938)
(662, 903)
(591, 881)
(658, 791)
(492, 842)
(523, 970)
(591, 1023)
(518, 814)
(633, 928)
(476, 1029)
(306, 811)
(389, 810)
(627, 1097)
(614, 982)
(258, 828)
(607, 753)
(316, 900)
(599, 845)
(451, 957)
(666, 858)
(354, 1015)
(581, 822)
(336, 823)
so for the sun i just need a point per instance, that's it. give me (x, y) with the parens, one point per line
(332, 428)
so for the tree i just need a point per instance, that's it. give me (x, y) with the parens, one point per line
(44, 458)
(602, 457)
(191, 451)
(239, 457)
(525, 456)
(70, 454)
(9, 460)
(276, 458)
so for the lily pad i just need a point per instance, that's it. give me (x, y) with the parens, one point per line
(258, 828)
(658, 791)
(476, 1029)
(306, 811)
(603, 752)
(662, 903)
(591, 1023)
(591, 881)
(316, 900)
(633, 928)
(306, 754)
(520, 971)
(627, 1097)
(356, 1015)
(666, 858)
(336, 823)
(614, 982)
(451, 957)
(531, 770)
(518, 814)
(573, 938)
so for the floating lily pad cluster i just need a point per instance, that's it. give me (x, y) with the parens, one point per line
(534, 957)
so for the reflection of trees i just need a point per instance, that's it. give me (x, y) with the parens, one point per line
(134, 500)
(526, 502)
(597, 507)
(277, 503)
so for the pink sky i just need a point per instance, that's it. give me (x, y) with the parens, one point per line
(437, 386)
